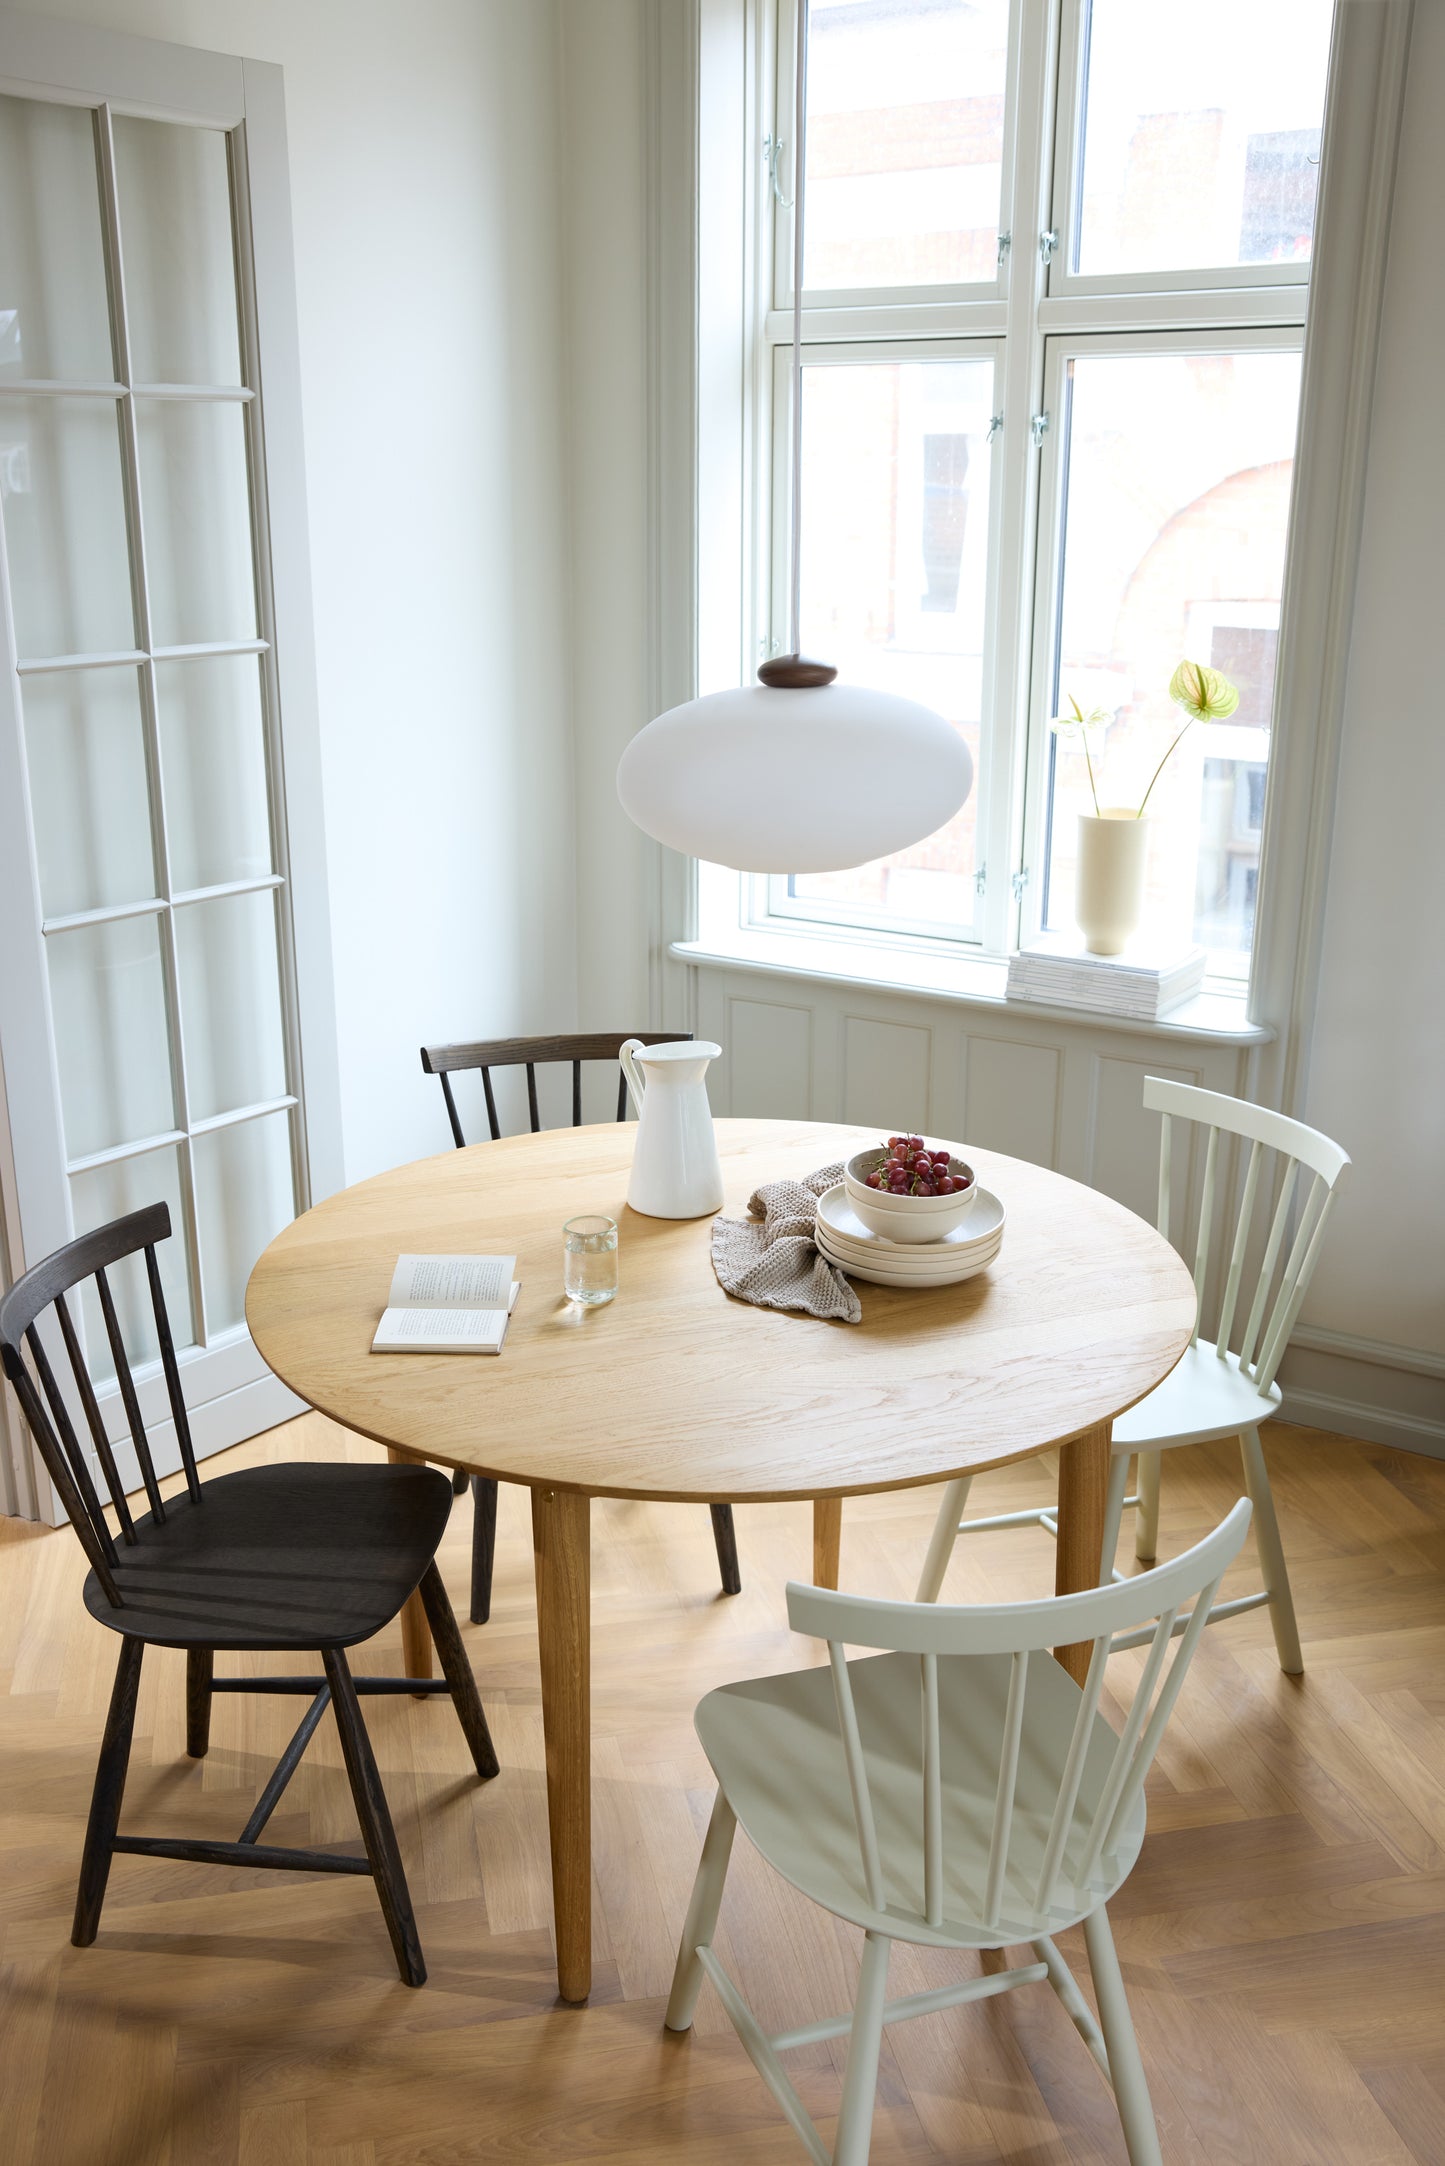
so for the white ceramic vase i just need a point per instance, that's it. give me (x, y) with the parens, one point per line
(675, 1169)
(1109, 884)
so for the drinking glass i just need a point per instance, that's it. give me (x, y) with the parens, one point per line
(590, 1246)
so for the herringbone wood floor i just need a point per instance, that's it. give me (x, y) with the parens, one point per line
(1282, 1936)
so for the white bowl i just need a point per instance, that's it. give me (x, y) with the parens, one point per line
(905, 1218)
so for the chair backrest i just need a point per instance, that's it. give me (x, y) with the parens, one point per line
(1284, 1272)
(1085, 1821)
(42, 1400)
(488, 1053)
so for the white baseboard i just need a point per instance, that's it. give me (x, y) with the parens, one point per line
(1366, 1388)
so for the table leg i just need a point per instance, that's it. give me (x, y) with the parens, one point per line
(1083, 1492)
(562, 1556)
(827, 1539)
(416, 1649)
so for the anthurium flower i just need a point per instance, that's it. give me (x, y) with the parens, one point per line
(1076, 720)
(1205, 694)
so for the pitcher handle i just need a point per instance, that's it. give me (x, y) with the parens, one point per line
(633, 1073)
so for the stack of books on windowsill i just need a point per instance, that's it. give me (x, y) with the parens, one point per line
(1143, 984)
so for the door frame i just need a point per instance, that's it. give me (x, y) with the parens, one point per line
(72, 64)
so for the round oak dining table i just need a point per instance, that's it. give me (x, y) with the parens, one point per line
(677, 1391)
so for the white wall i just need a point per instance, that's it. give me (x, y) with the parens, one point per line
(1376, 1076)
(606, 391)
(424, 151)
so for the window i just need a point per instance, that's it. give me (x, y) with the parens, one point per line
(1053, 314)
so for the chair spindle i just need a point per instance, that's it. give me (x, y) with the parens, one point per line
(1206, 1222)
(457, 1137)
(532, 1108)
(576, 1094)
(932, 1795)
(1237, 1253)
(129, 1400)
(1292, 1295)
(94, 1422)
(70, 1442)
(857, 1778)
(1278, 1224)
(492, 1122)
(1166, 1162)
(1061, 1826)
(172, 1374)
(1104, 1815)
(1008, 1774)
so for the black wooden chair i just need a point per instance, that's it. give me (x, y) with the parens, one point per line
(444, 1061)
(275, 1559)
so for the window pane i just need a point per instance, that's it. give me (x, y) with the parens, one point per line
(107, 997)
(86, 752)
(109, 1192)
(244, 1196)
(180, 277)
(1179, 470)
(1201, 133)
(213, 756)
(54, 314)
(230, 1003)
(905, 141)
(196, 505)
(64, 510)
(895, 586)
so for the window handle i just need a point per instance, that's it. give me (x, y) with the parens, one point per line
(773, 148)
(1048, 247)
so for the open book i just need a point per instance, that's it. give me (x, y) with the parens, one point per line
(447, 1305)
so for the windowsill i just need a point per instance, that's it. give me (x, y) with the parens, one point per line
(974, 981)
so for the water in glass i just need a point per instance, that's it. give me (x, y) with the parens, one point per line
(590, 1246)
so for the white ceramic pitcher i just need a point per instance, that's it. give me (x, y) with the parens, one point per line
(675, 1170)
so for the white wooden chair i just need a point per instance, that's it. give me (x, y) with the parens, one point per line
(1214, 1392)
(960, 1791)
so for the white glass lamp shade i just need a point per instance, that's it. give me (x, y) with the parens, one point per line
(795, 779)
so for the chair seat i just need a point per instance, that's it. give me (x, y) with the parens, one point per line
(775, 1748)
(297, 1557)
(1202, 1397)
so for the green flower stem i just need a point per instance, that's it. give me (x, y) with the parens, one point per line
(1084, 733)
(1159, 769)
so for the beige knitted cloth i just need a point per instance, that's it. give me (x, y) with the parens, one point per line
(770, 1258)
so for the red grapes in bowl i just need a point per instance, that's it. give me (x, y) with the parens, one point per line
(907, 1166)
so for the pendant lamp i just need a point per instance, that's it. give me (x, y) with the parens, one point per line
(796, 773)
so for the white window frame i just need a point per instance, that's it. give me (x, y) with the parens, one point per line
(1059, 350)
(1036, 316)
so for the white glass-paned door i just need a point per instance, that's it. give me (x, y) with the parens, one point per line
(136, 600)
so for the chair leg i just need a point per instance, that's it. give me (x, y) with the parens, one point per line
(701, 1921)
(457, 1671)
(865, 2042)
(377, 1832)
(1146, 1519)
(200, 1668)
(106, 1796)
(484, 1545)
(460, 1479)
(1271, 1554)
(941, 1541)
(1131, 2090)
(725, 1537)
(1113, 1514)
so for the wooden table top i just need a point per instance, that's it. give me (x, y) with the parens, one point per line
(677, 1391)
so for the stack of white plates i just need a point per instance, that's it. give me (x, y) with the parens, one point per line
(846, 1241)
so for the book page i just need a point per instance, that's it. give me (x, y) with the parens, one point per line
(451, 1282)
(444, 1331)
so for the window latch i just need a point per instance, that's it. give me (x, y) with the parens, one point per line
(995, 428)
(1048, 247)
(1039, 428)
(773, 148)
(980, 880)
(1005, 243)
(1019, 882)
